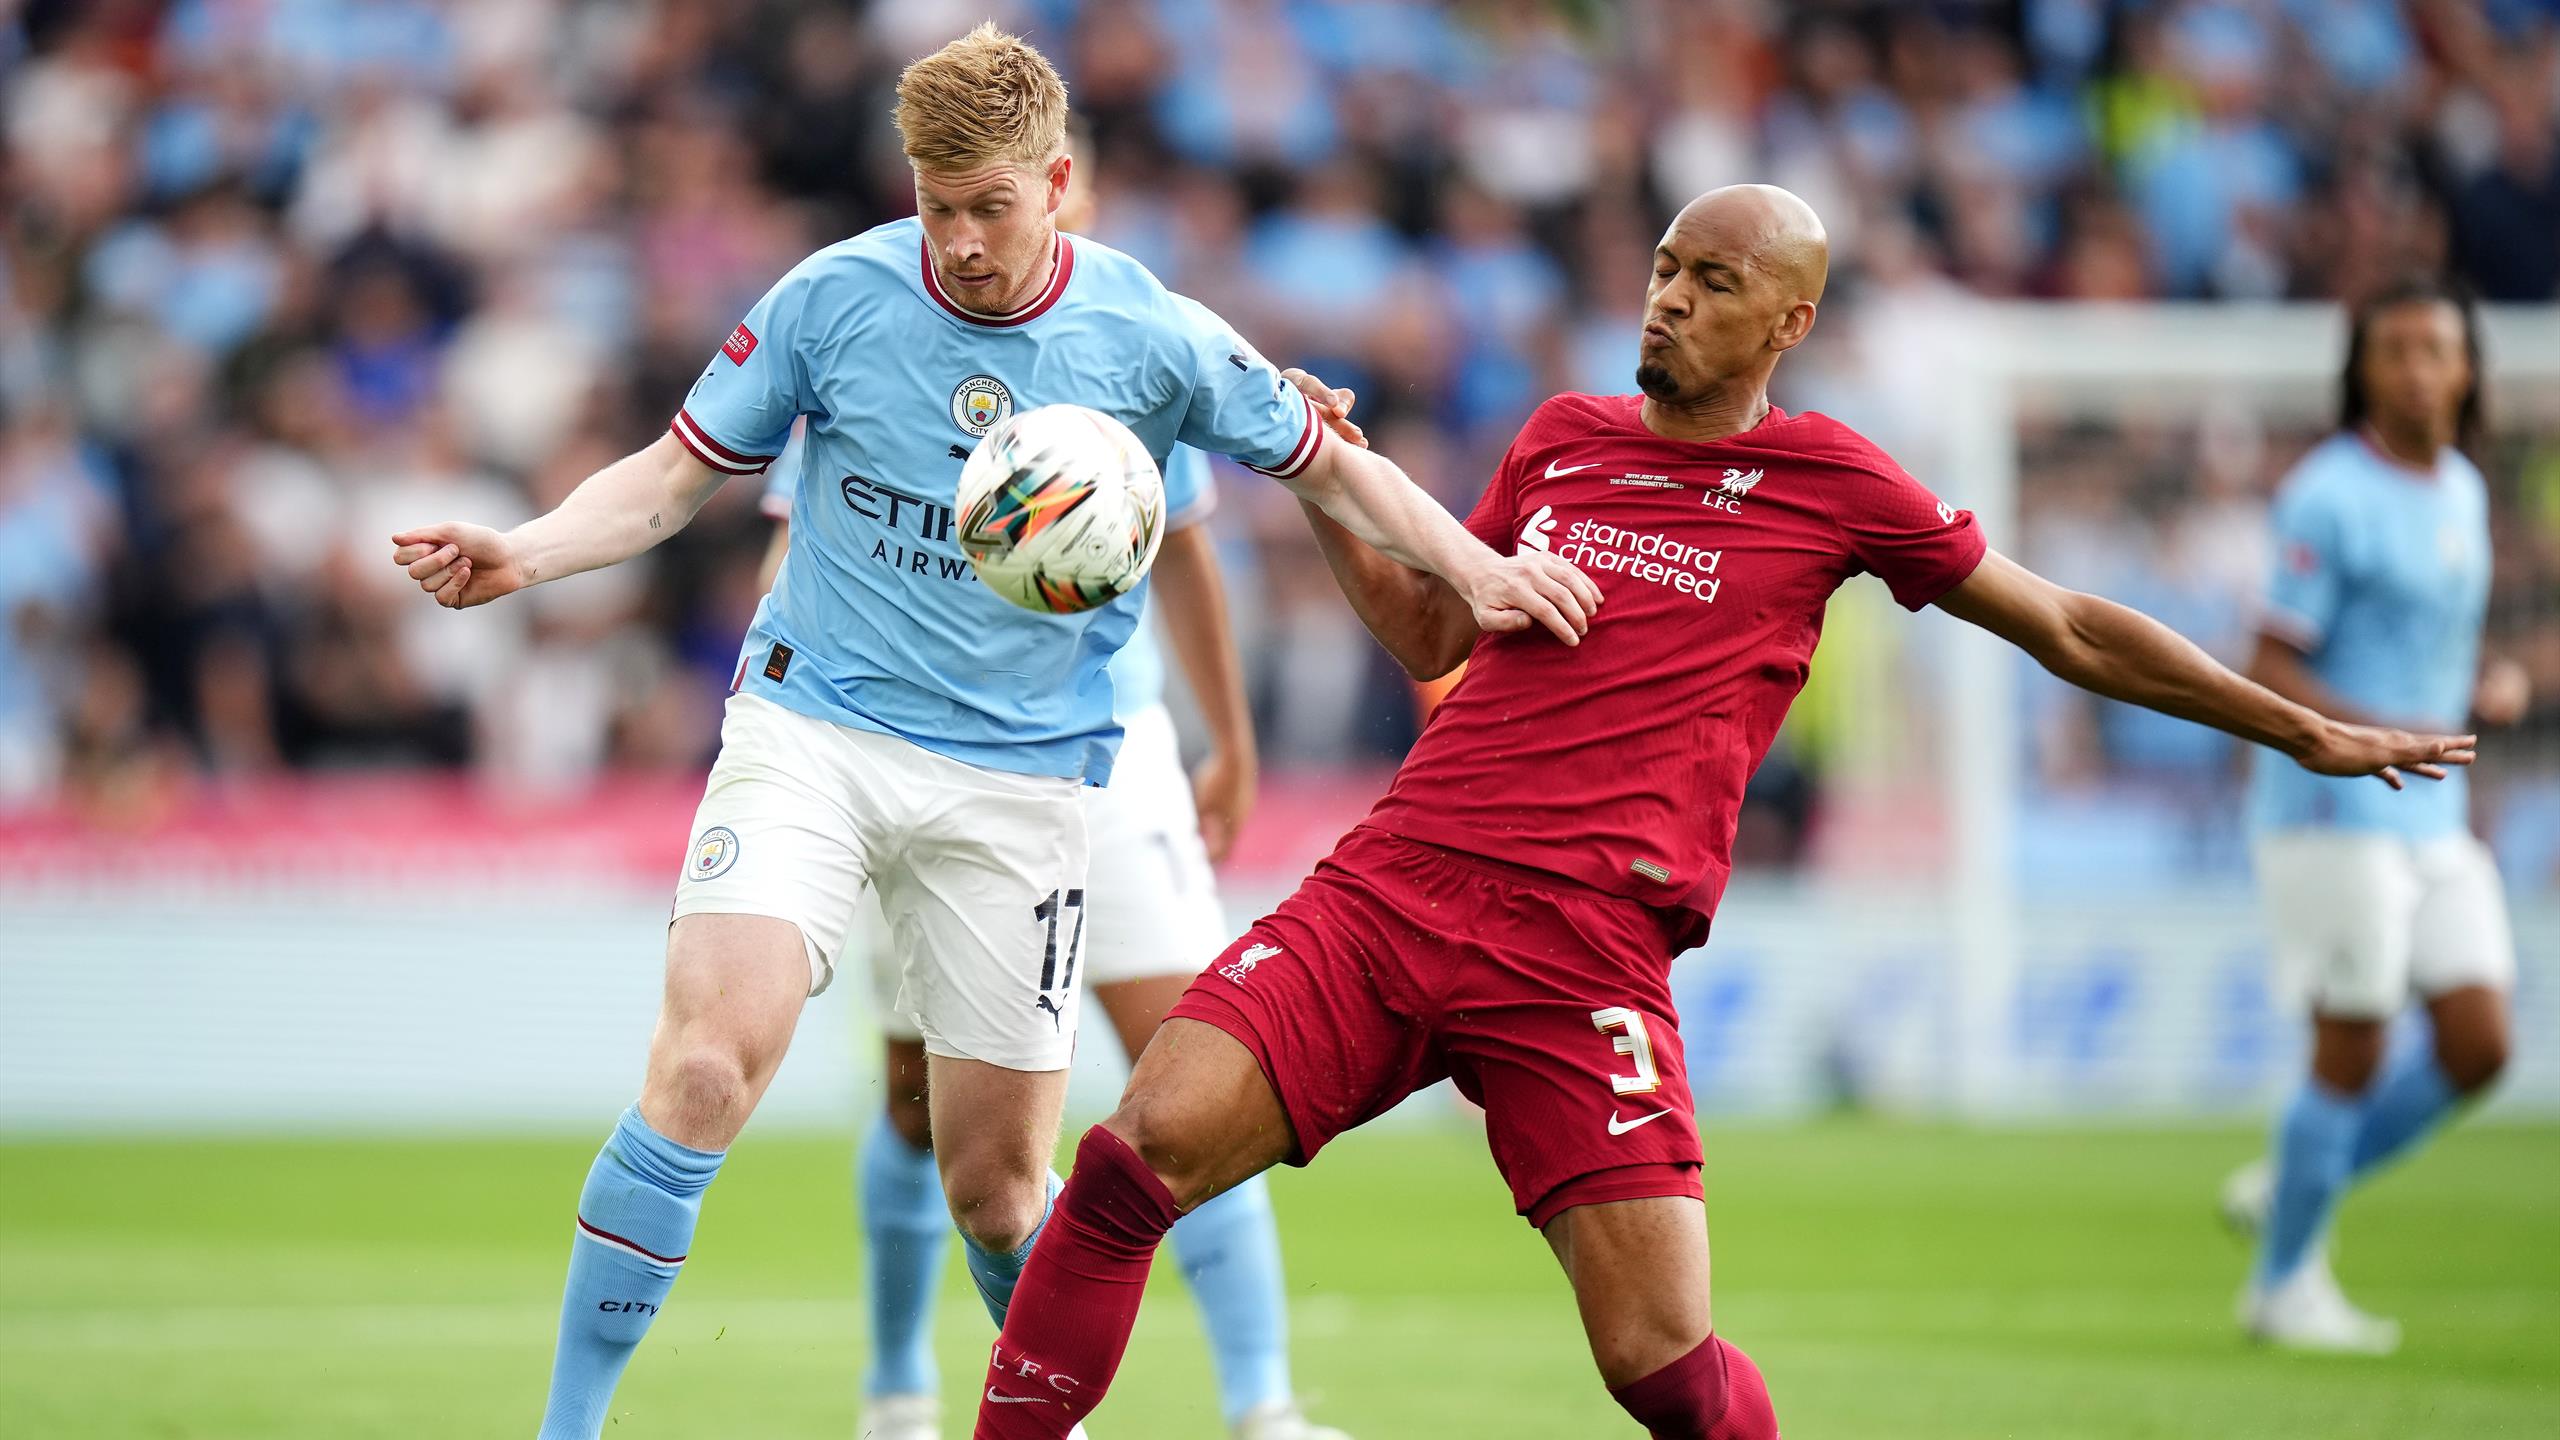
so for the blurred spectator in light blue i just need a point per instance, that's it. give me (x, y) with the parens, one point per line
(2364, 44)
(1244, 90)
(1527, 90)
(209, 276)
(51, 518)
(2206, 187)
(1326, 263)
(1504, 291)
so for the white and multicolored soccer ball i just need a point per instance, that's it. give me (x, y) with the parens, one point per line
(1060, 509)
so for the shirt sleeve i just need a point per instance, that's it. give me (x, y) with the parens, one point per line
(1920, 546)
(1239, 404)
(2308, 574)
(1190, 493)
(737, 416)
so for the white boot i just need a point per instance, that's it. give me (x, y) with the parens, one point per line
(901, 1417)
(2307, 1311)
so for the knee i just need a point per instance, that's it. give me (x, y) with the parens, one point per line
(2474, 1062)
(703, 1088)
(997, 1213)
(1644, 1346)
(2345, 1056)
(1181, 1164)
(911, 1117)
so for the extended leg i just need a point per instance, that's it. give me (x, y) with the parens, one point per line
(1640, 1277)
(1228, 1248)
(735, 987)
(1198, 1118)
(2315, 1142)
(994, 1131)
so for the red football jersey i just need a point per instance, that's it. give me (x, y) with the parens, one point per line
(1620, 764)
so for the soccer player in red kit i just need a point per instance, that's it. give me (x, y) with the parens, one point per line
(1507, 916)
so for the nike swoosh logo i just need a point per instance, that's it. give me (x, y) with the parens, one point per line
(1620, 1125)
(993, 1398)
(1554, 470)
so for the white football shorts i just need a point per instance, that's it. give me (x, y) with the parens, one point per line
(1152, 897)
(2362, 920)
(977, 872)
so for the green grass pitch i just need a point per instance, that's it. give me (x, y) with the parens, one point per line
(1895, 1283)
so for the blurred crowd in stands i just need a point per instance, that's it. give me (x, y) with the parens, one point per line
(280, 276)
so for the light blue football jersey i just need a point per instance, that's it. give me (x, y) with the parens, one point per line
(877, 621)
(2382, 578)
(1137, 671)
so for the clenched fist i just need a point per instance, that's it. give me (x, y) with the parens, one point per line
(460, 565)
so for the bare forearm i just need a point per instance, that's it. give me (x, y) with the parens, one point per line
(1193, 605)
(2125, 655)
(1379, 505)
(618, 512)
(1417, 617)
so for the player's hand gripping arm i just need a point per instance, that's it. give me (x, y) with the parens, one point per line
(1421, 618)
(2125, 655)
(1376, 504)
(614, 514)
(1192, 601)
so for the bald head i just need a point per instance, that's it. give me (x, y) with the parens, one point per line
(1769, 229)
(1736, 279)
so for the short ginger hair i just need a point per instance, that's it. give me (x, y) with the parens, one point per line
(984, 98)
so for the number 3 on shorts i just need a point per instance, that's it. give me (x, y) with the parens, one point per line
(1631, 1041)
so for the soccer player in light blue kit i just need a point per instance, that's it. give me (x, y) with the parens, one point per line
(1155, 918)
(895, 724)
(2375, 896)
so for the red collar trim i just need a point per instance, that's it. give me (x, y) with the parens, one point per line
(1062, 264)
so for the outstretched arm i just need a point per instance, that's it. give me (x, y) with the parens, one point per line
(614, 514)
(1420, 618)
(2120, 653)
(1376, 505)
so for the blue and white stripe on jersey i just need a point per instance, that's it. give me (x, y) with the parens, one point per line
(877, 621)
(2381, 578)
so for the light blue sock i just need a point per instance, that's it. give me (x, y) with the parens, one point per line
(906, 1230)
(635, 1223)
(996, 1274)
(2315, 1143)
(1229, 1251)
(2409, 1099)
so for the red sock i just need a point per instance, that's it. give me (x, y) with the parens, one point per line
(1712, 1393)
(1077, 1299)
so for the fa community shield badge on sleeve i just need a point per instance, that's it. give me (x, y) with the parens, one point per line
(980, 404)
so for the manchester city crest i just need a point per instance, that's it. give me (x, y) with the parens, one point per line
(980, 404)
(713, 853)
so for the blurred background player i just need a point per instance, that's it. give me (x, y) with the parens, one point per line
(1152, 920)
(1506, 917)
(2380, 587)
(854, 748)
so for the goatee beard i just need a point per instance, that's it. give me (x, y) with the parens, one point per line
(1657, 383)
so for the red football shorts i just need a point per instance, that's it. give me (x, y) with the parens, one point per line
(1398, 964)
